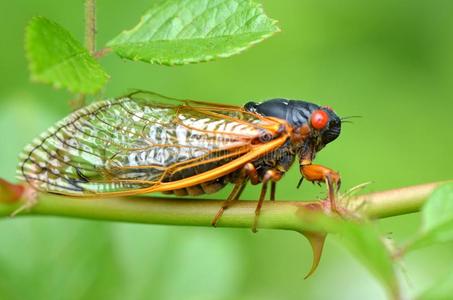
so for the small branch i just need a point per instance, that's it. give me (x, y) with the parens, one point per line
(397, 201)
(90, 26)
(290, 215)
(77, 102)
(90, 43)
(102, 52)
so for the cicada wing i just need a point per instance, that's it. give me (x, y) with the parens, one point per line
(70, 157)
(135, 144)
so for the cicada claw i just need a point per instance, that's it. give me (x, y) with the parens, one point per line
(318, 174)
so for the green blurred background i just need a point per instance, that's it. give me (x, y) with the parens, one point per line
(389, 61)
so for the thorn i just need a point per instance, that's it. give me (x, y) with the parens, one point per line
(10, 192)
(316, 241)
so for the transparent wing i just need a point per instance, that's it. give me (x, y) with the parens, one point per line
(138, 142)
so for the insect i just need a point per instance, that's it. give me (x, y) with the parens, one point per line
(145, 142)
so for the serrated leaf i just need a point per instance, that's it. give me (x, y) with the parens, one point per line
(437, 218)
(190, 31)
(55, 57)
(441, 289)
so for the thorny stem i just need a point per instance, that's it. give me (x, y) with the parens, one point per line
(290, 215)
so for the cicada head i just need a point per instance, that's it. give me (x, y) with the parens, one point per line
(316, 125)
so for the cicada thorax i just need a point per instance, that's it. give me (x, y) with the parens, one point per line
(279, 159)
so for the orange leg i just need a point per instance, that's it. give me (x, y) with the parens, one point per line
(273, 189)
(232, 198)
(250, 170)
(247, 172)
(270, 175)
(318, 173)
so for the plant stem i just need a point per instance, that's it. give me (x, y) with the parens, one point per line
(90, 44)
(102, 52)
(90, 26)
(397, 201)
(77, 102)
(290, 215)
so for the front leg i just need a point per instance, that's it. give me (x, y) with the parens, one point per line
(318, 173)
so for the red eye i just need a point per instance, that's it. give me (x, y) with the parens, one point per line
(319, 119)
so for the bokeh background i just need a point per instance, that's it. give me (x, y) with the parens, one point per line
(388, 61)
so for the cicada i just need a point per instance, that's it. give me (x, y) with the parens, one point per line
(145, 143)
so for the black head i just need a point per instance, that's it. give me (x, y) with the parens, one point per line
(324, 124)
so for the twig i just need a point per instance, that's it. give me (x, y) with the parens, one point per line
(77, 102)
(290, 215)
(287, 215)
(397, 201)
(90, 26)
(102, 52)
(90, 44)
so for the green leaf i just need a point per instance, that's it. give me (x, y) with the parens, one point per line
(366, 244)
(437, 218)
(190, 31)
(55, 57)
(441, 289)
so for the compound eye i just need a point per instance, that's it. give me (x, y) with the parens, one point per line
(319, 119)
